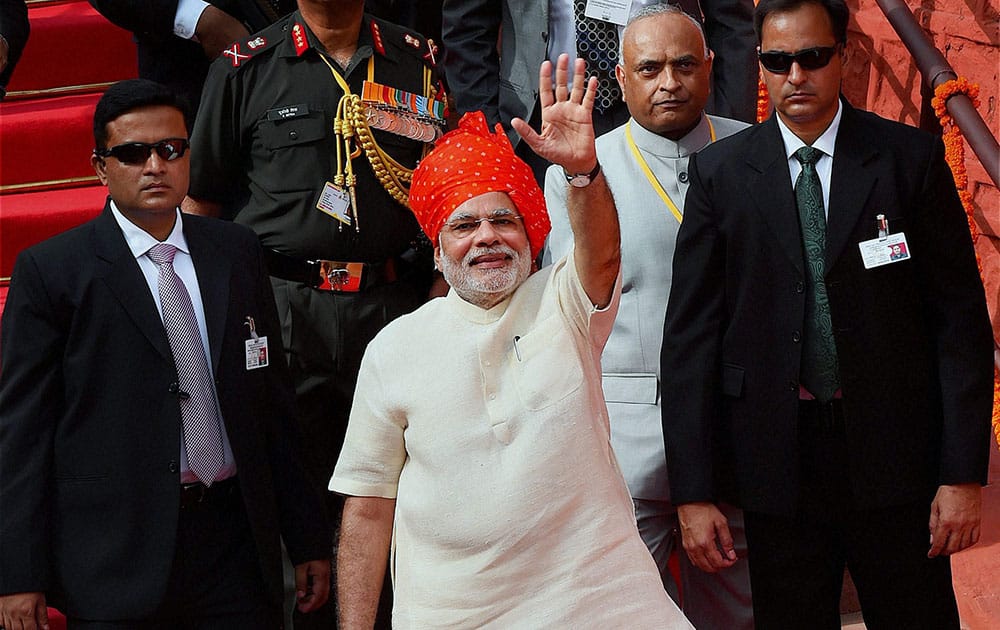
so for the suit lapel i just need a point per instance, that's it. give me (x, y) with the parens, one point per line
(771, 188)
(851, 182)
(125, 280)
(214, 270)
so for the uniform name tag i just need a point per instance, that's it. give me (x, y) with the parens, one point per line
(884, 251)
(256, 353)
(288, 111)
(335, 201)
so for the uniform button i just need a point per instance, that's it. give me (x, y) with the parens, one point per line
(793, 386)
(172, 466)
(799, 287)
(682, 177)
(493, 396)
(796, 336)
(293, 135)
(488, 364)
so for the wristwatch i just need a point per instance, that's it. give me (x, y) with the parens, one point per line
(582, 180)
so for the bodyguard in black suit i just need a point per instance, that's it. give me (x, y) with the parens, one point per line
(106, 511)
(827, 357)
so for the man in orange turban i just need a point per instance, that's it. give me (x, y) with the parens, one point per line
(478, 446)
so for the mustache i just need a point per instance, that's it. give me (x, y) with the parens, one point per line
(476, 252)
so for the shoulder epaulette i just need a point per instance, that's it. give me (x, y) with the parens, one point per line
(406, 40)
(241, 52)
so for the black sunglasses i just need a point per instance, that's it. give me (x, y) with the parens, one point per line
(808, 59)
(138, 152)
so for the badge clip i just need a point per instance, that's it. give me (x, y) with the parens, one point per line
(882, 225)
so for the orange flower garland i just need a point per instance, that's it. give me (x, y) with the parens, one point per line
(763, 101)
(954, 154)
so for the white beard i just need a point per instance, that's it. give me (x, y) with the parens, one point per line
(488, 287)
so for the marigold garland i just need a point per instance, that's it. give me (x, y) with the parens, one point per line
(954, 154)
(763, 101)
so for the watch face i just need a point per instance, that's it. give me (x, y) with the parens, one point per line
(580, 181)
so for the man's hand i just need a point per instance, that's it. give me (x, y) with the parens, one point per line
(217, 30)
(567, 137)
(24, 611)
(704, 530)
(312, 584)
(955, 515)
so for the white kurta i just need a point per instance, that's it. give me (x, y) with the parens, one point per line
(490, 430)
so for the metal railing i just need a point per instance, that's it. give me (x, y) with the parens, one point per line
(936, 70)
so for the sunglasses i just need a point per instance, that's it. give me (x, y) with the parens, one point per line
(138, 152)
(808, 59)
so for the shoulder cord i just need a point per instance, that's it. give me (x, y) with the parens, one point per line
(350, 122)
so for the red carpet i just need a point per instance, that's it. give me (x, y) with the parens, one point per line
(46, 140)
(72, 45)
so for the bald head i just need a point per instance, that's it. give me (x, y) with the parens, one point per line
(665, 71)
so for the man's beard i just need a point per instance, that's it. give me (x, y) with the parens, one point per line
(487, 288)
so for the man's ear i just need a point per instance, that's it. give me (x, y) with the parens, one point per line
(437, 258)
(100, 167)
(620, 75)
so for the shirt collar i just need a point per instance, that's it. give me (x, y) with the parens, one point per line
(140, 241)
(655, 144)
(291, 48)
(824, 143)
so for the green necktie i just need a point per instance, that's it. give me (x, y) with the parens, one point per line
(819, 353)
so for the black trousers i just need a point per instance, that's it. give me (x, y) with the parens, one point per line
(215, 581)
(325, 335)
(797, 562)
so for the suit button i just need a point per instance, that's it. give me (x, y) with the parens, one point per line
(293, 135)
(172, 466)
(682, 177)
(793, 386)
(796, 336)
(799, 287)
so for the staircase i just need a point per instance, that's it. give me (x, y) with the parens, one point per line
(46, 182)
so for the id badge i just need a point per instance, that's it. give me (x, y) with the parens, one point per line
(256, 353)
(884, 251)
(335, 201)
(614, 11)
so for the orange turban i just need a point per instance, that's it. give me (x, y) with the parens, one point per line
(469, 162)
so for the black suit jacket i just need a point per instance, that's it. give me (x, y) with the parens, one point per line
(90, 431)
(913, 338)
(15, 28)
(180, 63)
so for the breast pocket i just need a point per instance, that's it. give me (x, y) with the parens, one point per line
(296, 150)
(548, 366)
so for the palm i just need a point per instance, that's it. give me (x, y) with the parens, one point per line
(567, 132)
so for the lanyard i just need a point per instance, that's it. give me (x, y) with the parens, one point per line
(655, 183)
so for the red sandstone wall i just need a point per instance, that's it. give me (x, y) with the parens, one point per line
(882, 77)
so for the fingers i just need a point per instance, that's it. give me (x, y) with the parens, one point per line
(312, 585)
(562, 77)
(726, 543)
(711, 552)
(524, 130)
(579, 80)
(591, 94)
(545, 97)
